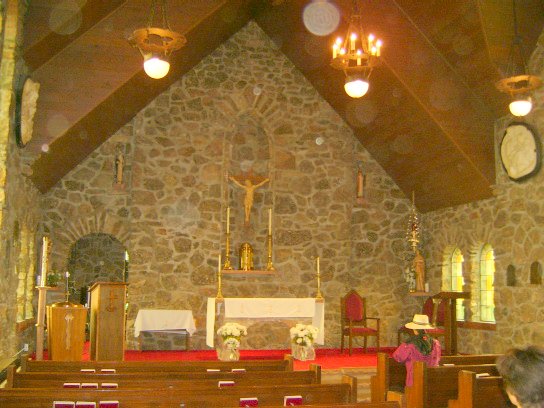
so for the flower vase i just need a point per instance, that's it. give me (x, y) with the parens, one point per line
(303, 353)
(225, 353)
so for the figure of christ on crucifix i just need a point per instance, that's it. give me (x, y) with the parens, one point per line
(249, 183)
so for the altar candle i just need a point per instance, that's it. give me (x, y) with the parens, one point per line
(219, 265)
(352, 42)
(45, 244)
(317, 261)
(270, 221)
(228, 220)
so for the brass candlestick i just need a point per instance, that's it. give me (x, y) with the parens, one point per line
(269, 265)
(319, 295)
(219, 291)
(227, 265)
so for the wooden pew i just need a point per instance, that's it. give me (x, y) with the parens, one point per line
(483, 392)
(148, 366)
(385, 404)
(346, 392)
(434, 386)
(152, 380)
(391, 375)
(468, 359)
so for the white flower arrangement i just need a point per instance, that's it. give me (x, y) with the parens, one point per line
(303, 334)
(232, 333)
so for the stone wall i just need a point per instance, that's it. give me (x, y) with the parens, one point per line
(95, 258)
(513, 223)
(243, 108)
(19, 206)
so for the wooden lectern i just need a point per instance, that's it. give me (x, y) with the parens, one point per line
(450, 319)
(108, 320)
(66, 331)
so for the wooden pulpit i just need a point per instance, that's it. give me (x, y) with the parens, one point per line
(108, 320)
(450, 319)
(66, 331)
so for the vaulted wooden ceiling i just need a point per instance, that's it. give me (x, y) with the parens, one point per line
(428, 118)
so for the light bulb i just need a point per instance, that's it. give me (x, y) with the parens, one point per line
(521, 107)
(356, 87)
(156, 67)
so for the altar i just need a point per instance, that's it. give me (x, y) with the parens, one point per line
(164, 321)
(293, 309)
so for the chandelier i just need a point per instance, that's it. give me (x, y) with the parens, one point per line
(517, 83)
(356, 55)
(157, 43)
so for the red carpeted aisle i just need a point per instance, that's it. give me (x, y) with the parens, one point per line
(326, 358)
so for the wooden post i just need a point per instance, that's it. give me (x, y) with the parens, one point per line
(40, 321)
(450, 321)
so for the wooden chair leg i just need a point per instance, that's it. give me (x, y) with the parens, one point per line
(342, 341)
(350, 344)
(377, 342)
(364, 343)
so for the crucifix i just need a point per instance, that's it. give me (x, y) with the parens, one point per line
(249, 182)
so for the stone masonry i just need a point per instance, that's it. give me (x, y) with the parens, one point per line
(243, 108)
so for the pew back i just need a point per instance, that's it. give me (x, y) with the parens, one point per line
(149, 366)
(434, 386)
(469, 359)
(160, 379)
(214, 397)
(390, 375)
(483, 392)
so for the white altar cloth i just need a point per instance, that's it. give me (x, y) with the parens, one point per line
(164, 320)
(267, 308)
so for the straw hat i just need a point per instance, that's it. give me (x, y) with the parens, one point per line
(419, 322)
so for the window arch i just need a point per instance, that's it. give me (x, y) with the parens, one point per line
(25, 269)
(452, 276)
(487, 287)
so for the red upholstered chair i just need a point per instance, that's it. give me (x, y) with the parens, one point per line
(354, 320)
(437, 320)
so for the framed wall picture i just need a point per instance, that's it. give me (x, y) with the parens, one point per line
(26, 99)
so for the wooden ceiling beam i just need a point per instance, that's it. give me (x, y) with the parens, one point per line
(41, 41)
(127, 100)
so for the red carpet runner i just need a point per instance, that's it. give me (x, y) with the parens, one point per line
(328, 359)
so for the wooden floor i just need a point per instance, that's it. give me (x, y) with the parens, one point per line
(363, 375)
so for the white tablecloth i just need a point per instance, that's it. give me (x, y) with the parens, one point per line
(267, 308)
(157, 319)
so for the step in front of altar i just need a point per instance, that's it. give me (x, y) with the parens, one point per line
(363, 374)
(164, 340)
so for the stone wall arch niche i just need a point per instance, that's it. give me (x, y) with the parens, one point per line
(249, 157)
(536, 273)
(96, 257)
(511, 275)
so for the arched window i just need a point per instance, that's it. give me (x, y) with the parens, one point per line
(22, 240)
(457, 280)
(487, 280)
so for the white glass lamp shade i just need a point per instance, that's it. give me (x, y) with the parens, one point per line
(156, 67)
(356, 87)
(521, 106)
